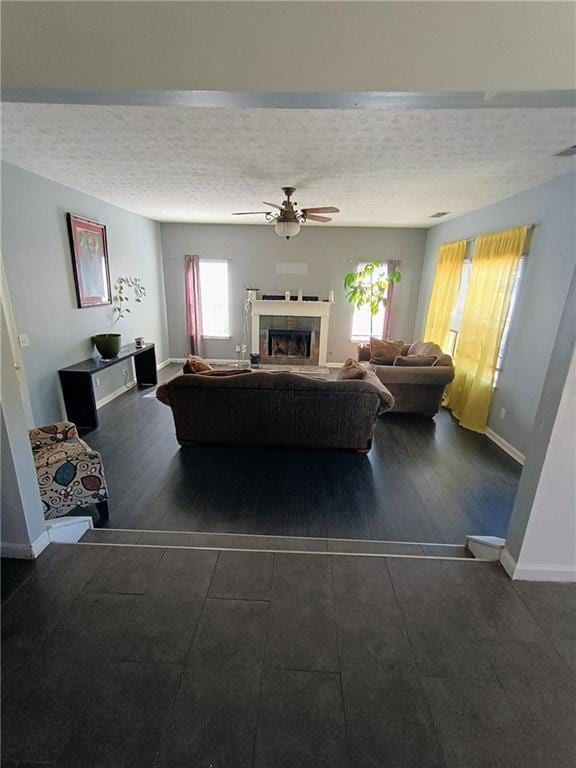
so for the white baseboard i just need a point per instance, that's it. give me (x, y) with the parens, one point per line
(113, 395)
(125, 387)
(545, 572)
(25, 551)
(536, 571)
(68, 530)
(508, 562)
(485, 547)
(505, 445)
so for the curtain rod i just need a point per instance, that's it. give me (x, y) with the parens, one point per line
(471, 239)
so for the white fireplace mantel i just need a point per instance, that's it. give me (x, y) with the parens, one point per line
(319, 309)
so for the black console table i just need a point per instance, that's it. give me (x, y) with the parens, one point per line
(78, 385)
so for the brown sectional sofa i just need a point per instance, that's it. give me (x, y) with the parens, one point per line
(270, 408)
(416, 389)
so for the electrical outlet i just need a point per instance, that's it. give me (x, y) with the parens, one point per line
(237, 347)
(23, 340)
(97, 381)
(502, 413)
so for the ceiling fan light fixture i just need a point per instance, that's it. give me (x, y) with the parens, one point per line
(287, 229)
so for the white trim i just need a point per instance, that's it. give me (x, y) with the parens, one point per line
(536, 571)
(545, 572)
(26, 551)
(322, 552)
(508, 562)
(505, 445)
(126, 387)
(113, 395)
(68, 530)
(485, 547)
(281, 536)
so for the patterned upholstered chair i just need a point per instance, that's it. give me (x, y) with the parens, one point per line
(70, 473)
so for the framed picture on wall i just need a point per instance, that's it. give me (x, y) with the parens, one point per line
(90, 261)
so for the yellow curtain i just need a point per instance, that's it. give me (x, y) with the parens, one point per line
(486, 308)
(445, 293)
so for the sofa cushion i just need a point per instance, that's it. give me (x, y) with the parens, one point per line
(384, 352)
(195, 364)
(416, 360)
(351, 370)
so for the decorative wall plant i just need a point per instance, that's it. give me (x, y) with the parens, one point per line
(126, 289)
(121, 298)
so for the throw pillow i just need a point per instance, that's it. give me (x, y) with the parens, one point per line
(195, 364)
(351, 370)
(415, 360)
(384, 352)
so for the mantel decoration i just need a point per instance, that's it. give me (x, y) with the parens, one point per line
(90, 261)
(369, 287)
(108, 344)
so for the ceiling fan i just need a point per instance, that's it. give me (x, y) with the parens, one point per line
(287, 222)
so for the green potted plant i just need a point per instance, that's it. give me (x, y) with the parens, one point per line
(108, 344)
(369, 287)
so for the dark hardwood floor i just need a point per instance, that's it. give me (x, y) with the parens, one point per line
(424, 480)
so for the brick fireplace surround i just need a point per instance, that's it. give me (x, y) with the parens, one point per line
(301, 328)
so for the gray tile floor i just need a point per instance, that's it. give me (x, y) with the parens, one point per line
(160, 658)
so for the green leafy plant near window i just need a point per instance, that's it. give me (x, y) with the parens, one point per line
(368, 287)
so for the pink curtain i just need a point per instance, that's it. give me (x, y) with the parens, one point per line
(193, 304)
(389, 313)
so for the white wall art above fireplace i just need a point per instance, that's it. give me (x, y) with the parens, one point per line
(290, 332)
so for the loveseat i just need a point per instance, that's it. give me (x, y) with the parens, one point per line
(417, 382)
(271, 408)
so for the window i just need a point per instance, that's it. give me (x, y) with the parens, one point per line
(361, 317)
(214, 296)
(506, 331)
(459, 309)
(464, 283)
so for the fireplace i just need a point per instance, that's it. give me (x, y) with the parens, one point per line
(294, 344)
(290, 332)
(289, 340)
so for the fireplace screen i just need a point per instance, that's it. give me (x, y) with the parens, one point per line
(289, 343)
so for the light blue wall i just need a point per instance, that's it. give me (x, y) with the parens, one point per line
(541, 297)
(38, 264)
(254, 252)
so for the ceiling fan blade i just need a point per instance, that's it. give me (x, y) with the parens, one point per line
(315, 217)
(323, 209)
(280, 208)
(248, 213)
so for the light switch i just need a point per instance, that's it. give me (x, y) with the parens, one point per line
(23, 340)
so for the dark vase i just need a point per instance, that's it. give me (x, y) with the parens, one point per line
(107, 344)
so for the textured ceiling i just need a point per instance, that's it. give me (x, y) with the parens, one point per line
(381, 168)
